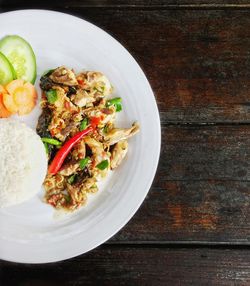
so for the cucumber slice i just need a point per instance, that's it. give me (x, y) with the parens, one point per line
(7, 72)
(21, 56)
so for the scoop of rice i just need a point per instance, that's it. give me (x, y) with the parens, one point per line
(23, 162)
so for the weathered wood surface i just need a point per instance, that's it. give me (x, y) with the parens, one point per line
(137, 266)
(198, 65)
(134, 4)
(196, 55)
(201, 190)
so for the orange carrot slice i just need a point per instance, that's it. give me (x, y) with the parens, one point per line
(21, 98)
(3, 111)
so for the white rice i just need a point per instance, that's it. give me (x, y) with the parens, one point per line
(23, 162)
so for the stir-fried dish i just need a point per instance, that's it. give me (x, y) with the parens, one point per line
(77, 126)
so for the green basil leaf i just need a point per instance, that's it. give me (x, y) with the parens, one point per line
(51, 96)
(103, 165)
(51, 141)
(117, 102)
(83, 163)
(71, 179)
(46, 148)
(84, 124)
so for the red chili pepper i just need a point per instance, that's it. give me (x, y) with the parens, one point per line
(95, 121)
(80, 81)
(57, 162)
(67, 105)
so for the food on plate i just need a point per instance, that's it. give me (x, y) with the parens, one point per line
(17, 97)
(21, 57)
(4, 112)
(7, 72)
(17, 72)
(23, 162)
(77, 126)
(21, 97)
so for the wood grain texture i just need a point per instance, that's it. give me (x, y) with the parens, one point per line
(137, 266)
(196, 57)
(120, 4)
(198, 64)
(201, 190)
(192, 213)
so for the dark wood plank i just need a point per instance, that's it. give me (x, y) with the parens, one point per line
(137, 266)
(212, 212)
(205, 169)
(153, 4)
(198, 64)
(205, 153)
(201, 190)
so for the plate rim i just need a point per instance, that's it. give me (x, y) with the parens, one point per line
(130, 214)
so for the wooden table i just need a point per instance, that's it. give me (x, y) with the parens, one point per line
(194, 226)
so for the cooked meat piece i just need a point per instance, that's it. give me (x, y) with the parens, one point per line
(64, 76)
(66, 131)
(118, 153)
(85, 184)
(88, 184)
(115, 135)
(57, 124)
(79, 151)
(95, 146)
(100, 82)
(62, 102)
(82, 98)
(78, 197)
(69, 168)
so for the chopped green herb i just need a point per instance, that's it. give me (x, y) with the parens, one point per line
(67, 198)
(83, 163)
(51, 141)
(51, 96)
(46, 147)
(84, 124)
(105, 129)
(103, 165)
(71, 179)
(117, 102)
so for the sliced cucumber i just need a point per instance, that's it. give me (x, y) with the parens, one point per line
(21, 56)
(7, 72)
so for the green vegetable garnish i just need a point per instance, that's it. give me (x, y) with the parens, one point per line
(84, 124)
(83, 163)
(103, 165)
(51, 141)
(67, 198)
(46, 147)
(51, 96)
(21, 56)
(117, 102)
(105, 129)
(71, 179)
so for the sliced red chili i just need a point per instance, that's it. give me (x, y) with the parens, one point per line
(95, 121)
(58, 160)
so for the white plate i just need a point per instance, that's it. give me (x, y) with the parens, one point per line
(33, 232)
